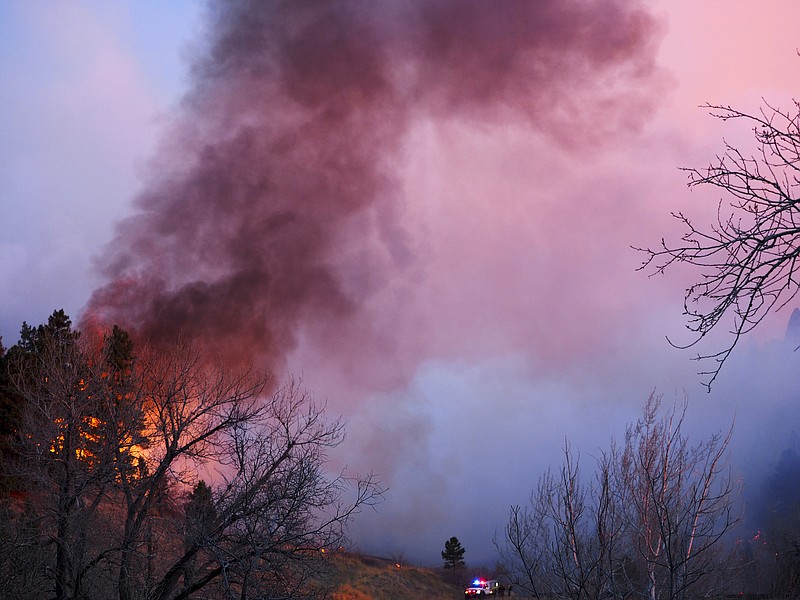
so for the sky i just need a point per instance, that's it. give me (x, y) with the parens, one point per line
(427, 215)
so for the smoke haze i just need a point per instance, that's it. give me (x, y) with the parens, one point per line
(323, 201)
(425, 209)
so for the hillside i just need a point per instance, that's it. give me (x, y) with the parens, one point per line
(369, 578)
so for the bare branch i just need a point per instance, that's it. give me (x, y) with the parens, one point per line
(747, 259)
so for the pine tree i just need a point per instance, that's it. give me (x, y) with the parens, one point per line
(453, 553)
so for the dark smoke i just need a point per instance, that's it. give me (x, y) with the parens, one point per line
(275, 204)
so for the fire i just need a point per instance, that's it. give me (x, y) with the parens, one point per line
(90, 435)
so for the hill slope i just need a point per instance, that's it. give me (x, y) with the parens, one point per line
(370, 578)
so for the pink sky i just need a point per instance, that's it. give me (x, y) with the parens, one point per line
(521, 318)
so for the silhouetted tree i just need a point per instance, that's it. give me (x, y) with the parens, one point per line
(678, 503)
(748, 258)
(651, 525)
(74, 444)
(453, 553)
(201, 514)
(567, 542)
(15, 362)
(108, 440)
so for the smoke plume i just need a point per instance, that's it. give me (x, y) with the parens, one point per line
(276, 205)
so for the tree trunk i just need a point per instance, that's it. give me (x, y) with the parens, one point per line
(63, 578)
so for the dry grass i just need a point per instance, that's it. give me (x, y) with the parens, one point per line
(369, 578)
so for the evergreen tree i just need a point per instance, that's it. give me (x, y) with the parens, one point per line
(453, 553)
(20, 361)
(119, 350)
(201, 514)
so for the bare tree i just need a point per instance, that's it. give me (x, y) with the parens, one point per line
(651, 524)
(560, 544)
(678, 502)
(114, 461)
(571, 550)
(276, 508)
(524, 550)
(748, 257)
(612, 556)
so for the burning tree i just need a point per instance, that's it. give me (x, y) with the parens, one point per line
(159, 475)
(67, 438)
